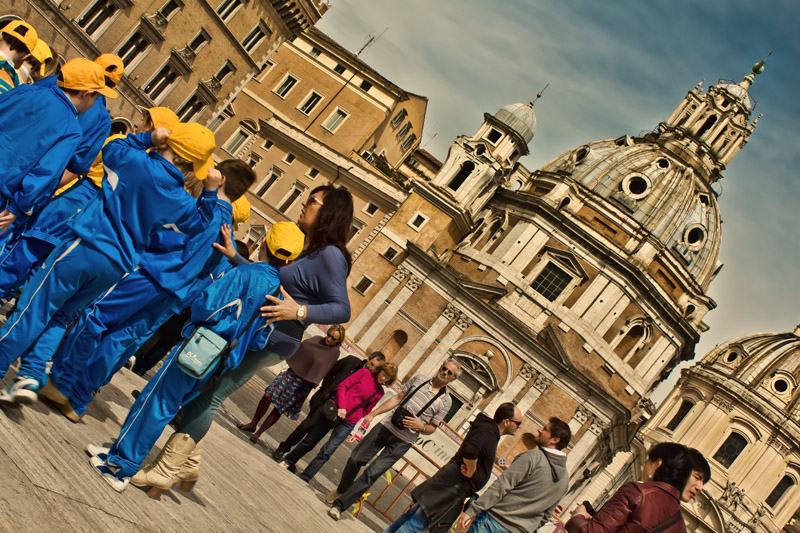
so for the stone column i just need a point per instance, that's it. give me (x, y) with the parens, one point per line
(439, 354)
(583, 447)
(516, 385)
(450, 312)
(372, 307)
(390, 311)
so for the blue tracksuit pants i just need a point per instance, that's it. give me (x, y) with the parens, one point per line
(155, 406)
(71, 277)
(17, 260)
(91, 353)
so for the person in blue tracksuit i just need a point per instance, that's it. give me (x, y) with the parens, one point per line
(17, 40)
(39, 135)
(145, 193)
(225, 307)
(47, 229)
(96, 346)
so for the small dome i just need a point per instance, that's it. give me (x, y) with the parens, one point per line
(520, 118)
(739, 92)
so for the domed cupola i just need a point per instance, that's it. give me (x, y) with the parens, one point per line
(520, 119)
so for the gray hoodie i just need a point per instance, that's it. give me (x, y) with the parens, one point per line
(523, 498)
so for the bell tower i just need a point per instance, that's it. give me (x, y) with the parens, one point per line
(715, 125)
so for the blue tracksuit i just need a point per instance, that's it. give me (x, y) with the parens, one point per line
(143, 193)
(225, 307)
(39, 135)
(47, 229)
(95, 349)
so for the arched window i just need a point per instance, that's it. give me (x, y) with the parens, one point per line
(730, 449)
(466, 170)
(780, 489)
(710, 121)
(683, 410)
(398, 339)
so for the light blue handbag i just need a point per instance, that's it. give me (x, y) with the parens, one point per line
(201, 353)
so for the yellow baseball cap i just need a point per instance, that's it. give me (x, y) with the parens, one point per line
(23, 31)
(112, 66)
(163, 118)
(285, 240)
(41, 52)
(194, 143)
(83, 75)
(241, 210)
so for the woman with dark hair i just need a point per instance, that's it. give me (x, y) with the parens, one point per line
(652, 506)
(313, 290)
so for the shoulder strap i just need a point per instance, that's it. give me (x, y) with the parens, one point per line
(408, 396)
(668, 524)
(441, 391)
(364, 402)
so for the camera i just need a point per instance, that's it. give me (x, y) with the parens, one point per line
(399, 414)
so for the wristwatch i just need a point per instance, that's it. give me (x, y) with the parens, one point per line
(301, 312)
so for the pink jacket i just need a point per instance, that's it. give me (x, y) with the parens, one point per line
(354, 390)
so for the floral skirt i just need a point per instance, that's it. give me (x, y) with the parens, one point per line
(288, 393)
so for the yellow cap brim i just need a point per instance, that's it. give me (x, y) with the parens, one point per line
(108, 92)
(201, 169)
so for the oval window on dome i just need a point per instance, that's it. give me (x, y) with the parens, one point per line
(636, 186)
(731, 357)
(780, 385)
(663, 163)
(695, 236)
(580, 154)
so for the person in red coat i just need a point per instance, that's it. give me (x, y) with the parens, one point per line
(652, 505)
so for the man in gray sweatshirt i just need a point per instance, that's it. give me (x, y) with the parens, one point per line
(523, 498)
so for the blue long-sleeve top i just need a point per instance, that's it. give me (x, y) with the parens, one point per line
(318, 281)
(226, 306)
(176, 269)
(142, 193)
(40, 133)
(95, 126)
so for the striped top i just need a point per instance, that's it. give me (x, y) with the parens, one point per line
(8, 76)
(434, 414)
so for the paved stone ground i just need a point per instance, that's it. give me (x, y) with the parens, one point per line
(47, 483)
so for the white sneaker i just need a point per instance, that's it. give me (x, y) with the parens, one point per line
(334, 513)
(23, 390)
(130, 363)
(108, 473)
(97, 451)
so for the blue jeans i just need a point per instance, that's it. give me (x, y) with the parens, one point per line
(339, 434)
(484, 523)
(411, 521)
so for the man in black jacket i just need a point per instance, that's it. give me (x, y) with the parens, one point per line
(438, 501)
(343, 369)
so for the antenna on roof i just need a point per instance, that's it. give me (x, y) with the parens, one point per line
(539, 94)
(370, 41)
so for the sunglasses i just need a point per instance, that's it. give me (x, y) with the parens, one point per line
(446, 370)
(517, 422)
(313, 198)
(330, 336)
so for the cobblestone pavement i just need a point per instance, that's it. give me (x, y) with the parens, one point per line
(47, 483)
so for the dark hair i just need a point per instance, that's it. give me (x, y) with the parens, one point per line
(333, 223)
(560, 430)
(242, 249)
(238, 177)
(14, 44)
(504, 412)
(676, 464)
(700, 464)
(377, 355)
(118, 128)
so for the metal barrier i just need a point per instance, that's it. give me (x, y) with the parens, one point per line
(414, 473)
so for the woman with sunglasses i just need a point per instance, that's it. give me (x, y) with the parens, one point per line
(313, 290)
(287, 392)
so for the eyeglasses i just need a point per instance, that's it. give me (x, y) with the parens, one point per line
(313, 198)
(446, 370)
(330, 336)
(517, 422)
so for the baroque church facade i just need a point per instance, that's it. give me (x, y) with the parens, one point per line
(572, 290)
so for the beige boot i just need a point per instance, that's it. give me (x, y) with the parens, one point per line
(162, 473)
(190, 471)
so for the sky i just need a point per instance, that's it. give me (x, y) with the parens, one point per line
(616, 68)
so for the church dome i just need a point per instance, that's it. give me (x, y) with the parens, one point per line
(520, 118)
(768, 363)
(739, 92)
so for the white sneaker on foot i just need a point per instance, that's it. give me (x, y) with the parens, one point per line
(23, 390)
(108, 473)
(97, 451)
(334, 513)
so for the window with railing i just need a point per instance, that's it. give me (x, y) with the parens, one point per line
(96, 16)
(228, 9)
